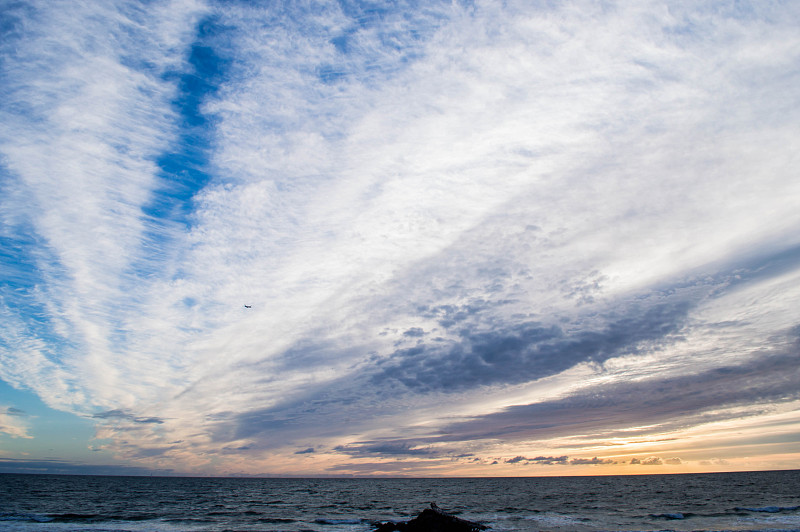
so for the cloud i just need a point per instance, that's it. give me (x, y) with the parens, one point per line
(465, 225)
(654, 461)
(13, 422)
(559, 460)
(414, 332)
(661, 404)
(591, 461)
(387, 448)
(126, 416)
(544, 460)
(549, 460)
(526, 351)
(617, 404)
(65, 467)
(309, 450)
(79, 162)
(402, 468)
(715, 461)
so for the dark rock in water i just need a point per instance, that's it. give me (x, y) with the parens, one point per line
(432, 520)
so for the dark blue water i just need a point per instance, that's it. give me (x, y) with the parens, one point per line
(727, 501)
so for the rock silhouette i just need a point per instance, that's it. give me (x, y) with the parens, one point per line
(432, 520)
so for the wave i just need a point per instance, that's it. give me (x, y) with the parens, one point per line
(98, 518)
(676, 515)
(327, 521)
(550, 519)
(275, 520)
(771, 509)
(739, 510)
(30, 518)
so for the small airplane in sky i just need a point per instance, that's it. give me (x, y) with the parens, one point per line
(248, 306)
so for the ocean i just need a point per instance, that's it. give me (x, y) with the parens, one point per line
(763, 501)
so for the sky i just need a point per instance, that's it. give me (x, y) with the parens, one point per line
(400, 238)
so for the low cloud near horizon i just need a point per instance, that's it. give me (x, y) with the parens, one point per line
(357, 238)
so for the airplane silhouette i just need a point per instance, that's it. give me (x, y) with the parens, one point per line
(248, 306)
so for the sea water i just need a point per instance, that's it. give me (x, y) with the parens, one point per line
(763, 501)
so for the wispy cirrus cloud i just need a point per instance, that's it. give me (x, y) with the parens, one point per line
(444, 221)
(87, 112)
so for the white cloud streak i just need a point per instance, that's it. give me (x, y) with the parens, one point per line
(85, 116)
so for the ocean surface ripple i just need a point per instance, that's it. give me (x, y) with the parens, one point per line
(758, 501)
